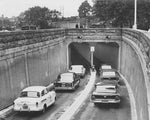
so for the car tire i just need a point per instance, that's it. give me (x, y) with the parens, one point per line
(44, 109)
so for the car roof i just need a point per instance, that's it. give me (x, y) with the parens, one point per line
(108, 73)
(67, 73)
(76, 65)
(34, 88)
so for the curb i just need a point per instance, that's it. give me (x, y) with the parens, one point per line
(6, 111)
(132, 99)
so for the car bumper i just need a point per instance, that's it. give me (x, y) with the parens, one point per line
(29, 109)
(105, 101)
(64, 88)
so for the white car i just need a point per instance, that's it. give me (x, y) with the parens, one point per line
(35, 98)
(78, 69)
(105, 67)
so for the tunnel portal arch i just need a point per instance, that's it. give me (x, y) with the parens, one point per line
(105, 53)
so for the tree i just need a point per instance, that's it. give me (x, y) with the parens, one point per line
(121, 13)
(84, 9)
(54, 14)
(100, 10)
(143, 15)
(39, 16)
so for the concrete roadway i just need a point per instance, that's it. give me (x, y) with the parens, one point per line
(87, 112)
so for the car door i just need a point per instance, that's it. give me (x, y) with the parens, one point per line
(45, 97)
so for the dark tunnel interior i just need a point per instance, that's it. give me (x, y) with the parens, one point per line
(105, 53)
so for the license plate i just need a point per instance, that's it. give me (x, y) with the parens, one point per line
(104, 101)
(63, 85)
(25, 106)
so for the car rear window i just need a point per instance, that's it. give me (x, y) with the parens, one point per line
(106, 89)
(76, 68)
(32, 94)
(108, 74)
(67, 77)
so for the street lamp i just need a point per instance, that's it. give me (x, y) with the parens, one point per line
(135, 15)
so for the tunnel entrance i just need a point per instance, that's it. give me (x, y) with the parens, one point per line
(105, 53)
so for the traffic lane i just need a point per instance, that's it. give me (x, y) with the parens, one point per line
(89, 111)
(64, 100)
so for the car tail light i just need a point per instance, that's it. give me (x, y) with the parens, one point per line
(13, 104)
(37, 104)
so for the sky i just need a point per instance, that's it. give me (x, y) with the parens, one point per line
(10, 8)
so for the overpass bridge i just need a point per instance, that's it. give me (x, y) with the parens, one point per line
(37, 57)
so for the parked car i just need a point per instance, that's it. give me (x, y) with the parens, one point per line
(67, 81)
(78, 69)
(35, 98)
(110, 74)
(106, 93)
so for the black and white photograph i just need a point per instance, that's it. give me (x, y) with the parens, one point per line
(74, 59)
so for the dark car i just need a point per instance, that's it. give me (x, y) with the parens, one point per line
(67, 81)
(106, 92)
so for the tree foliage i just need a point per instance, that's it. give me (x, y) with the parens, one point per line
(84, 9)
(121, 13)
(39, 16)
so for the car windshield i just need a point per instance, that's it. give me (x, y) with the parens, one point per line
(105, 89)
(109, 75)
(32, 94)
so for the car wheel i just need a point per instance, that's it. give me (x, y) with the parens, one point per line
(44, 109)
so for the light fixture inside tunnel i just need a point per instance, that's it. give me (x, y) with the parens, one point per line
(108, 37)
(79, 37)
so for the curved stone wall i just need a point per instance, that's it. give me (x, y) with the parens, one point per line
(134, 61)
